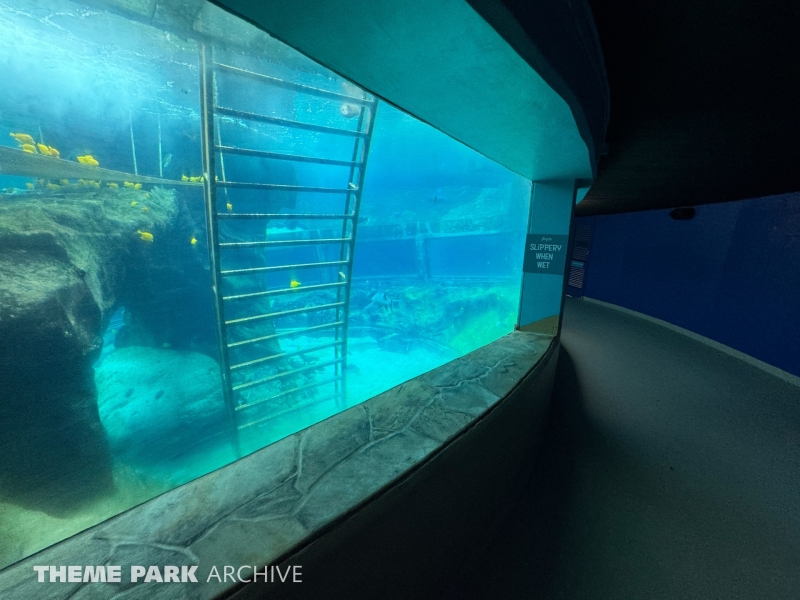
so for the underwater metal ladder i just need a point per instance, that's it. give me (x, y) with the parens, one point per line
(214, 180)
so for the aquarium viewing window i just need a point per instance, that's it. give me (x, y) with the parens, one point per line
(209, 242)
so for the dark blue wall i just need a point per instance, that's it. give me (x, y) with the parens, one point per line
(731, 274)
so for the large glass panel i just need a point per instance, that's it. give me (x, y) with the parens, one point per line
(353, 247)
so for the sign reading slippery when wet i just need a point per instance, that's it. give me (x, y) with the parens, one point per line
(545, 253)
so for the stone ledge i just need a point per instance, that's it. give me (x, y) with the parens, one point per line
(255, 510)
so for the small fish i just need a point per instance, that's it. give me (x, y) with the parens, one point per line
(88, 159)
(184, 178)
(145, 209)
(193, 241)
(29, 148)
(160, 393)
(64, 182)
(229, 206)
(145, 236)
(352, 186)
(295, 283)
(29, 185)
(134, 203)
(54, 153)
(196, 179)
(128, 184)
(147, 196)
(43, 149)
(129, 393)
(52, 186)
(94, 184)
(434, 199)
(137, 186)
(22, 138)
(167, 160)
(342, 275)
(113, 186)
(348, 111)
(41, 182)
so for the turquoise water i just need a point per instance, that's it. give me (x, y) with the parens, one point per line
(110, 325)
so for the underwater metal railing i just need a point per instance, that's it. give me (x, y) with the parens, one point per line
(249, 116)
(210, 198)
(253, 270)
(352, 195)
(282, 83)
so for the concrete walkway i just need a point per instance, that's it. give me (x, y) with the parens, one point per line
(668, 470)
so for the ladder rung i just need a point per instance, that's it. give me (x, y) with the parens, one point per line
(289, 290)
(291, 409)
(285, 313)
(249, 384)
(255, 270)
(301, 388)
(281, 156)
(282, 216)
(258, 361)
(283, 243)
(291, 86)
(274, 336)
(279, 187)
(241, 114)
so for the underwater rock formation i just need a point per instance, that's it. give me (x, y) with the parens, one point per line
(64, 257)
(157, 405)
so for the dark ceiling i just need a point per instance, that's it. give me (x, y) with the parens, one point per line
(705, 102)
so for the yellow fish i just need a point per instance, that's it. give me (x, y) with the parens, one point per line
(128, 185)
(145, 209)
(53, 152)
(29, 185)
(30, 148)
(193, 241)
(134, 203)
(145, 236)
(196, 179)
(295, 283)
(41, 182)
(43, 149)
(52, 186)
(113, 186)
(184, 178)
(229, 206)
(95, 184)
(137, 186)
(22, 138)
(64, 182)
(88, 159)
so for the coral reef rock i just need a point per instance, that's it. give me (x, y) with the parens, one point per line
(64, 257)
(157, 405)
